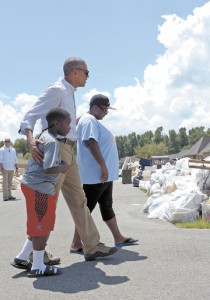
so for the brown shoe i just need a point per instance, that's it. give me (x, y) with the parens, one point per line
(49, 259)
(100, 251)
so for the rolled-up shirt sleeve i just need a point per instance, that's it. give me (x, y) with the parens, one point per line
(49, 99)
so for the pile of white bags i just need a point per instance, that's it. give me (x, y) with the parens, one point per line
(175, 192)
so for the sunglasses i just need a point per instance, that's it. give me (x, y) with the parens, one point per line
(7, 141)
(105, 110)
(85, 71)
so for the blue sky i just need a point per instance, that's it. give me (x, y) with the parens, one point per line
(149, 65)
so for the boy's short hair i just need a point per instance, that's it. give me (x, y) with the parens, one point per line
(56, 114)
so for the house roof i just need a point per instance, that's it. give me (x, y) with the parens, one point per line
(199, 146)
(179, 155)
(203, 145)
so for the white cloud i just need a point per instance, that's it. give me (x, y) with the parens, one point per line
(12, 115)
(175, 90)
(4, 96)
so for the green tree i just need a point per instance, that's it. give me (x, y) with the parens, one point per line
(120, 141)
(195, 134)
(27, 155)
(145, 138)
(21, 146)
(173, 142)
(182, 137)
(158, 135)
(151, 149)
(208, 132)
(133, 142)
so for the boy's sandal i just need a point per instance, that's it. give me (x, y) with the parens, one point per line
(21, 264)
(49, 271)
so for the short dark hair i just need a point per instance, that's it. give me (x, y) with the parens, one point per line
(56, 114)
(72, 63)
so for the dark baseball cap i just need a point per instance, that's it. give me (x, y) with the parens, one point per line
(100, 100)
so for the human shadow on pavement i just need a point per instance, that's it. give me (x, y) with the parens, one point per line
(124, 255)
(22, 273)
(79, 277)
(85, 276)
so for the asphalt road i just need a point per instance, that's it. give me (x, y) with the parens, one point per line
(169, 263)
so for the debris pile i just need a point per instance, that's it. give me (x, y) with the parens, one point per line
(176, 192)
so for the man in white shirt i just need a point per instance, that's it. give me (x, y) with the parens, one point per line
(61, 94)
(8, 162)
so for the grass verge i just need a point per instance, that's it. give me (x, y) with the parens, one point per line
(198, 224)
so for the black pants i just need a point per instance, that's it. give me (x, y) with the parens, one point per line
(100, 193)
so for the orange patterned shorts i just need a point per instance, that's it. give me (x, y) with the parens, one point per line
(40, 211)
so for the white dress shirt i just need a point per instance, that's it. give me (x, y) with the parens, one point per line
(59, 94)
(8, 158)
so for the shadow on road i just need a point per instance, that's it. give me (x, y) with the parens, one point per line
(85, 276)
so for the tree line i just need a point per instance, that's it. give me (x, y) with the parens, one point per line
(158, 143)
(144, 145)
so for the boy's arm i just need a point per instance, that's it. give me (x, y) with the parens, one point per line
(62, 168)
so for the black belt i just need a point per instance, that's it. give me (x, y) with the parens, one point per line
(66, 141)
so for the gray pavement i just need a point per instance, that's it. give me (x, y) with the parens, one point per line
(168, 263)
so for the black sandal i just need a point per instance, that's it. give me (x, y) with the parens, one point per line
(21, 264)
(49, 271)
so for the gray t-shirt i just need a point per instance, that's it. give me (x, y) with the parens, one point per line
(34, 176)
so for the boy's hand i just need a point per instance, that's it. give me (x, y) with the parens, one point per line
(64, 167)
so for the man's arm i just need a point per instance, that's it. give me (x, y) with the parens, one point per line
(50, 98)
(95, 151)
(32, 143)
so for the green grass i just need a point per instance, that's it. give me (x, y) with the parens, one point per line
(22, 160)
(145, 192)
(198, 224)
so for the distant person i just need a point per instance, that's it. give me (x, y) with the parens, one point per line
(8, 163)
(61, 94)
(98, 167)
(38, 187)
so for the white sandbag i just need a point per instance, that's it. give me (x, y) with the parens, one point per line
(159, 201)
(170, 186)
(180, 215)
(183, 163)
(156, 203)
(147, 204)
(145, 185)
(155, 188)
(159, 211)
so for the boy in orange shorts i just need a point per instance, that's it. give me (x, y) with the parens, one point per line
(39, 191)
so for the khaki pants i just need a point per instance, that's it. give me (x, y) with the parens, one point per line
(73, 193)
(7, 183)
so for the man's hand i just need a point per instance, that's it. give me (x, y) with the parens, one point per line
(17, 173)
(32, 143)
(35, 152)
